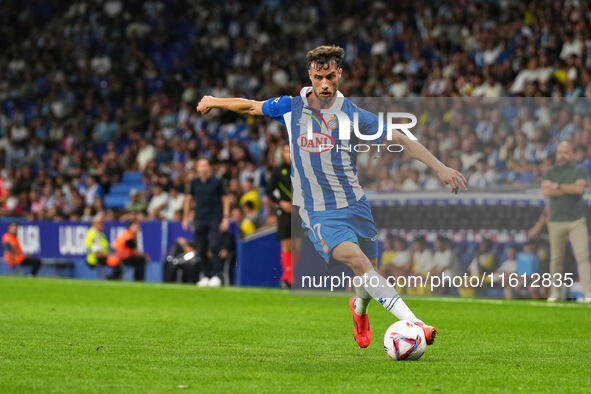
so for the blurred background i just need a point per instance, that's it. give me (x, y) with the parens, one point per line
(97, 113)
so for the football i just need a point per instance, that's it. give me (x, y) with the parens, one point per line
(404, 340)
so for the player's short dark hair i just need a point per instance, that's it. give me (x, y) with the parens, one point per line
(324, 55)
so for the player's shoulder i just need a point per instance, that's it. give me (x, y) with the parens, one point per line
(276, 107)
(280, 99)
(365, 116)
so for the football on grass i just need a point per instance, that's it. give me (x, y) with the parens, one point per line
(404, 340)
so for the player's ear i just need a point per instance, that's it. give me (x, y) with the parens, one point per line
(340, 72)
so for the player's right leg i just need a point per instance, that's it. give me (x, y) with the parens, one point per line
(376, 285)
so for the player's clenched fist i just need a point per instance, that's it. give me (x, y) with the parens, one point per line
(206, 104)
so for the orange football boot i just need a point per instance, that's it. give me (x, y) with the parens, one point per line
(361, 328)
(430, 332)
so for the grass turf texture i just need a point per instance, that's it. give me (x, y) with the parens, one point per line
(87, 336)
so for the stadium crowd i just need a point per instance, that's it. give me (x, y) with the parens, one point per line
(89, 90)
(496, 262)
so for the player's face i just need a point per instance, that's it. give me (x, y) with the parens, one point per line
(564, 154)
(325, 80)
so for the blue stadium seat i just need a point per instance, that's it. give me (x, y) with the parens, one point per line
(116, 200)
(125, 188)
(132, 177)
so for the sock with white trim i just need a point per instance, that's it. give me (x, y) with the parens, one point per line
(377, 286)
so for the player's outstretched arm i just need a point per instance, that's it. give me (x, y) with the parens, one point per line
(238, 105)
(447, 175)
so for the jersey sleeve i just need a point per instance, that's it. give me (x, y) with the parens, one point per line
(276, 107)
(369, 124)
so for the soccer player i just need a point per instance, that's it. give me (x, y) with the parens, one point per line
(333, 206)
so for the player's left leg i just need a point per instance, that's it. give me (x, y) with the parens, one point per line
(363, 223)
(376, 285)
(359, 305)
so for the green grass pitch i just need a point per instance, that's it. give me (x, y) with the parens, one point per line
(89, 336)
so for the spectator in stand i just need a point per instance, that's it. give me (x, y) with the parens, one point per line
(158, 203)
(396, 260)
(443, 256)
(503, 272)
(175, 204)
(251, 219)
(421, 258)
(135, 209)
(251, 194)
(91, 191)
(483, 263)
(13, 252)
(145, 154)
(485, 260)
(113, 98)
(528, 263)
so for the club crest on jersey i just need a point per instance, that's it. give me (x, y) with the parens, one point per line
(332, 123)
(325, 247)
(315, 143)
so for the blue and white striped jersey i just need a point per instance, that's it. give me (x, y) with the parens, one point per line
(323, 178)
